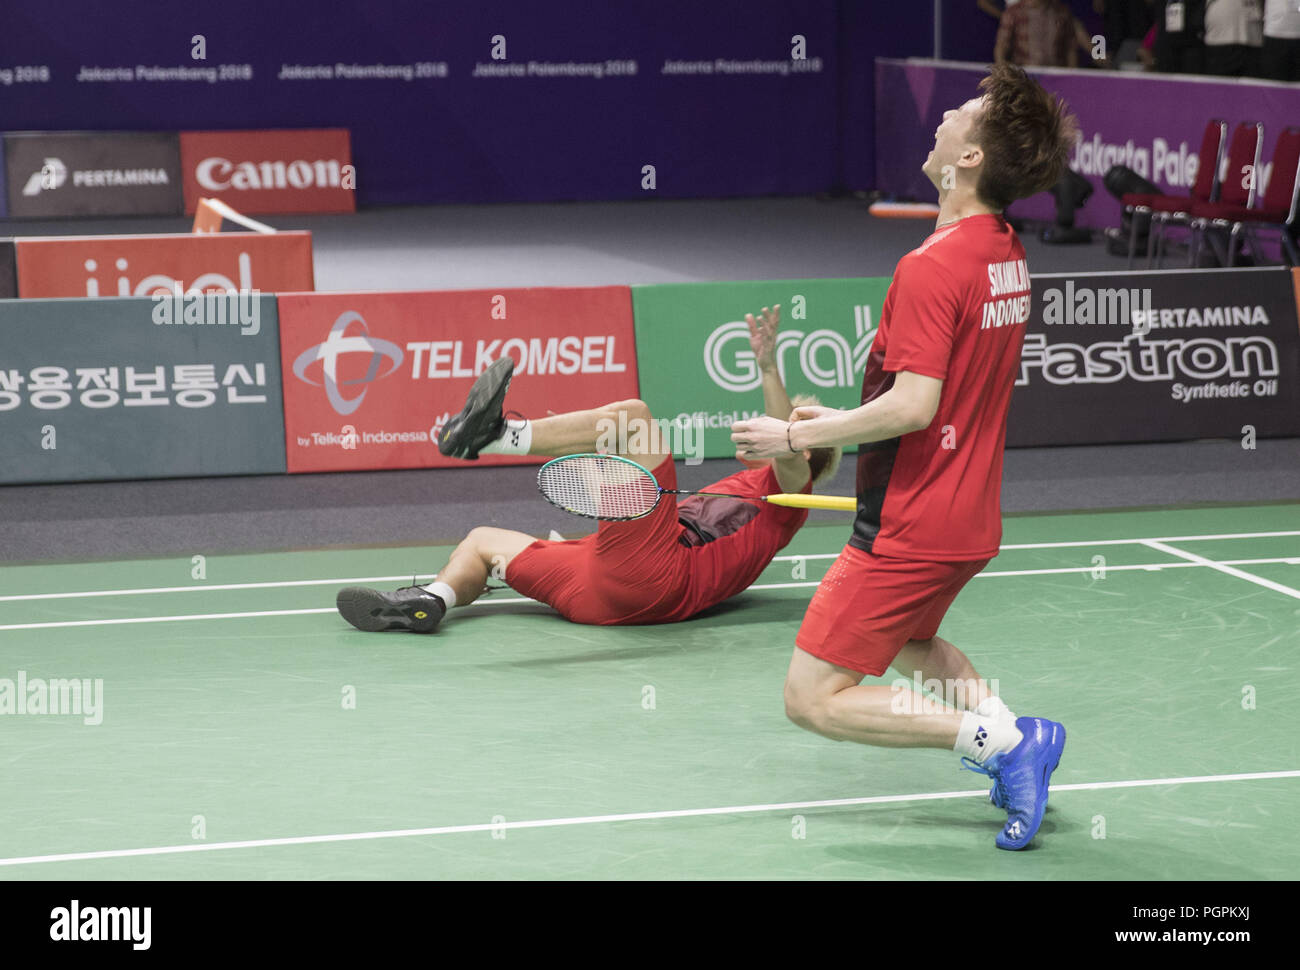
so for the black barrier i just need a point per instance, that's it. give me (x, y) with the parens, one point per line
(128, 388)
(1175, 355)
(93, 174)
(8, 270)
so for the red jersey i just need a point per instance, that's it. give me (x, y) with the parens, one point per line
(666, 566)
(956, 310)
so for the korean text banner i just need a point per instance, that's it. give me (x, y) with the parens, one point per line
(139, 388)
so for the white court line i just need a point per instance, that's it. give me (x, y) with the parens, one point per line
(1192, 557)
(1096, 542)
(602, 819)
(146, 591)
(1149, 567)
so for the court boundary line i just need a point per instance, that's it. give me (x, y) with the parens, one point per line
(605, 819)
(145, 591)
(1223, 566)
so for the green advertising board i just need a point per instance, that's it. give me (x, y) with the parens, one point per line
(694, 358)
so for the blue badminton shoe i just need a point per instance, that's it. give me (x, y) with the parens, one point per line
(1021, 777)
(481, 421)
(998, 793)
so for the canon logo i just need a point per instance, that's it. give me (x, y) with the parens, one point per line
(217, 174)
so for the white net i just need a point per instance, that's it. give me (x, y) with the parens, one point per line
(598, 486)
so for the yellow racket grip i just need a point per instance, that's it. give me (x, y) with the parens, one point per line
(836, 503)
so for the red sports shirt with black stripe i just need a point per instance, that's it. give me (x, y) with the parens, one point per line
(956, 310)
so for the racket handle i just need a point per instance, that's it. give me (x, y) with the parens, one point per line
(836, 503)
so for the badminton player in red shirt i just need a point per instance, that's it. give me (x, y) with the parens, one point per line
(680, 559)
(930, 432)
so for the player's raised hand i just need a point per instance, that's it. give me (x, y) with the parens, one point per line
(762, 336)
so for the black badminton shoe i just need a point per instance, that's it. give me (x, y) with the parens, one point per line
(411, 608)
(481, 422)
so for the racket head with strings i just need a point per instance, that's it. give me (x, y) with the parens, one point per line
(606, 487)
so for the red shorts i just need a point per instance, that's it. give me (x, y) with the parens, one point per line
(868, 607)
(626, 572)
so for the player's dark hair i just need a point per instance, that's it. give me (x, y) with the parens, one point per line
(1026, 134)
(823, 463)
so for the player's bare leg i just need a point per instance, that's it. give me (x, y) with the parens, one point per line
(939, 660)
(833, 702)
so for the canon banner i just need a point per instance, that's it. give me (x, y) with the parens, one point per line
(1158, 357)
(144, 265)
(697, 368)
(370, 378)
(270, 171)
(127, 388)
(93, 174)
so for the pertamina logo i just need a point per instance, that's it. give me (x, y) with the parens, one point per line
(53, 173)
(825, 356)
(338, 344)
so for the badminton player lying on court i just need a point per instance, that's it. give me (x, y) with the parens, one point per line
(931, 430)
(681, 558)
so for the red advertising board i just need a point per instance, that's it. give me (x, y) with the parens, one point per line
(285, 170)
(144, 265)
(369, 378)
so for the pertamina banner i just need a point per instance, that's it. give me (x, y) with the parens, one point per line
(92, 174)
(140, 388)
(697, 367)
(370, 378)
(1181, 354)
(280, 170)
(144, 265)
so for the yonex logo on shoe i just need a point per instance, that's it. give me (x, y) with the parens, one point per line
(1013, 830)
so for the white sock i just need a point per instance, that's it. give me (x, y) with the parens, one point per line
(993, 707)
(516, 439)
(443, 592)
(979, 738)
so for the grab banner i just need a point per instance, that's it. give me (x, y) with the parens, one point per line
(370, 378)
(144, 265)
(697, 368)
(283, 170)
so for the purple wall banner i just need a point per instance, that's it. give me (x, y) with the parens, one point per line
(1150, 122)
(463, 100)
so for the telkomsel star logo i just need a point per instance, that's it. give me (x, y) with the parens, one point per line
(49, 177)
(339, 343)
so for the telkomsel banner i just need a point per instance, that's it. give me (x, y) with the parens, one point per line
(1166, 356)
(270, 171)
(370, 378)
(132, 388)
(697, 368)
(93, 174)
(145, 265)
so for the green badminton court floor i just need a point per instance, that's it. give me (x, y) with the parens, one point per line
(246, 732)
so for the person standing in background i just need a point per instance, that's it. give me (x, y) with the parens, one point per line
(1037, 33)
(1280, 55)
(1234, 37)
